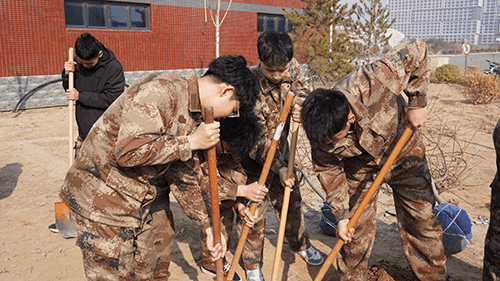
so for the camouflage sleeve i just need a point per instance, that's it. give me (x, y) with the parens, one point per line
(142, 139)
(418, 85)
(184, 184)
(258, 152)
(230, 174)
(409, 62)
(300, 86)
(331, 175)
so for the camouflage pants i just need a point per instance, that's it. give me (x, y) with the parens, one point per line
(125, 253)
(227, 220)
(491, 262)
(295, 232)
(163, 232)
(420, 231)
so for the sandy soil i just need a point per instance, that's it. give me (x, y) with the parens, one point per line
(34, 160)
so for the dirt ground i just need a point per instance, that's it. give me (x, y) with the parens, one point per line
(34, 160)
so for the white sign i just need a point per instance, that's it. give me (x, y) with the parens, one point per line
(466, 48)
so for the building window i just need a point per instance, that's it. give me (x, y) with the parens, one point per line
(277, 23)
(106, 15)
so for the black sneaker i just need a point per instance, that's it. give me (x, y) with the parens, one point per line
(53, 228)
(226, 268)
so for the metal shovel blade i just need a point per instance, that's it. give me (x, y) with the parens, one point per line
(63, 221)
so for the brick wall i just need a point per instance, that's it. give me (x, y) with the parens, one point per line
(34, 43)
(35, 40)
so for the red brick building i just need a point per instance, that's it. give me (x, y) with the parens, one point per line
(143, 34)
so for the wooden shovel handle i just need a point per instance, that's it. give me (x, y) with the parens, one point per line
(376, 183)
(286, 201)
(214, 195)
(262, 181)
(70, 111)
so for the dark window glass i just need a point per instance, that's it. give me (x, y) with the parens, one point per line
(106, 15)
(96, 15)
(118, 16)
(260, 23)
(269, 23)
(73, 13)
(138, 16)
(281, 24)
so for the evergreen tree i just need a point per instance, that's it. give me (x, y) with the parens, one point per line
(317, 40)
(369, 25)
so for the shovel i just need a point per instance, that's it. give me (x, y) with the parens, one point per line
(63, 222)
(214, 195)
(286, 201)
(262, 181)
(456, 224)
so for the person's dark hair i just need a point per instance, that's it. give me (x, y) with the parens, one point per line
(275, 48)
(87, 47)
(232, 69)
(242, 133)
(324, 113)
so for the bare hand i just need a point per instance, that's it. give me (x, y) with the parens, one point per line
(69, 66)
(217, 251)
(296, 113)
(253, 192)
(245, 215)
(285, 181)
(72, 94)
(342, 231)
(416, 117)
(205, 136)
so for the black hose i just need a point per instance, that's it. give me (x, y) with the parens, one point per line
(30, 93)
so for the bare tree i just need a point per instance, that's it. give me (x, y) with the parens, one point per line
(369, 26)
(216, 19)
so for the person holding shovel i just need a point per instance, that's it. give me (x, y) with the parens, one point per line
(353, 128)
(491, 261)
(278, 73)
(138, 151)
(98, 81)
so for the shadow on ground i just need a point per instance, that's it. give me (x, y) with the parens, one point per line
(9, 175)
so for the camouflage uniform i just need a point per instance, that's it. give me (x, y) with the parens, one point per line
(117, 187)
(268, 109)
(491, 266)
(230, 175)
(348, 167)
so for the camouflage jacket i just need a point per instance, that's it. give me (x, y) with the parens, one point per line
(374, 93)
(268, 109)
(140, 140)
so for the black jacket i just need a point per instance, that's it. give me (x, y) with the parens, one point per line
(98, 88)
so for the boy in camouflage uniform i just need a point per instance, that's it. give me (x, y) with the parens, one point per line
(278, 73)
(353, 129)
(491, 262)
(137, 152)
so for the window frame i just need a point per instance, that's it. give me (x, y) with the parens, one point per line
(108, 21)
